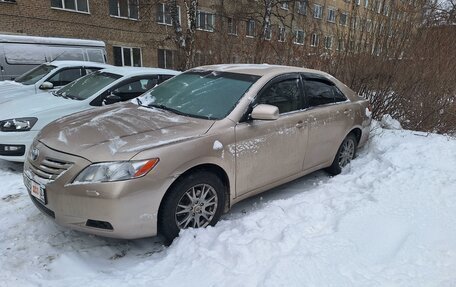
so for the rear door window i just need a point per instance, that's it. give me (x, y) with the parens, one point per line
(320, 92)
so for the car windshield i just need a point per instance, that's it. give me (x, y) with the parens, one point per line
(201, 94)
(34, 75)
(83, 88)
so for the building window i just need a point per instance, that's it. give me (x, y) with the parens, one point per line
(165, 59)
(332, 15)
(232, 26)
(343, 18)
(267, 32)
(340, 44)
(299, 37)
(284, 5)
(250, 28)
(71, 5)
(164, 14)
(366, 3)
(124, 9)
(354, 23)
(314, 40)
(358, 2)
(379, 7)
(318, 11)
(281, 36)
(328, 42)
(126, 56)
(369, 25)
(8, 1)
(205, 21)
(302, 7)
(386, 10)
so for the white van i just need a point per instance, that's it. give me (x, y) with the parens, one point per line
(19, 54)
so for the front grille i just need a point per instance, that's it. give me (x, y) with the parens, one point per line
(43, 208)
(49, 168)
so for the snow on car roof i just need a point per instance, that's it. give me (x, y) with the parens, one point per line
(49, 40)
(132, 71)
(71, 63)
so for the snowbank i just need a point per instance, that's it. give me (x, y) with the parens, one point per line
(387, 220)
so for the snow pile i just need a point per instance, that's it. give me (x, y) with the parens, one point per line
(387, 220)
(388, 122)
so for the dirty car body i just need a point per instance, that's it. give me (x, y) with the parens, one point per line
(191, 148)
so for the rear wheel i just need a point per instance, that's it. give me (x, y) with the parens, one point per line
(345, 154)
(195, 201)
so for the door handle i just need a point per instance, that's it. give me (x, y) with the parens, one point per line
(347, 112)
(300, 124)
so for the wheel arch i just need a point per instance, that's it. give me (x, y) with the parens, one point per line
(209, 167)
(357, 132)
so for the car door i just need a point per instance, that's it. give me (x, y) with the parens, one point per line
(327, 111)
(270, 150)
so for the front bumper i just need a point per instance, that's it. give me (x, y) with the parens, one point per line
(17, 139)
(123, 209)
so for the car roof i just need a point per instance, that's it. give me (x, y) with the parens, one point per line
(61, 64)
(260, 69)
(136, 71)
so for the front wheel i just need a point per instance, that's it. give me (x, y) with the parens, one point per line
(345, 154)
(195, 201)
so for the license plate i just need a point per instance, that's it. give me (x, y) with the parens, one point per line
(37, 191)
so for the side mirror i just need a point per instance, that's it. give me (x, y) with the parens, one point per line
(265, 112)
(111, 99)
(46, 86)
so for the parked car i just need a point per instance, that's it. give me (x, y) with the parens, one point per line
(185, 152)
(46, 77)
(19, 53)
(22, 119)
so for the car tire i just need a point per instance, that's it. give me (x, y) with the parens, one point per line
(197, 200)
(345, 153)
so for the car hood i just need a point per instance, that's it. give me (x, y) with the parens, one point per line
(10, 90)
(119, 131)
(43, 104)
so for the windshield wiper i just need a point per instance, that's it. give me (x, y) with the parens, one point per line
(55, 93)
(163, 107)
(139, 102)
(166, 108)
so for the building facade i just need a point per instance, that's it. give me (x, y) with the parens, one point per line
(185, 33)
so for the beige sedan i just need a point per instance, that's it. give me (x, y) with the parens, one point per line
(185, 152)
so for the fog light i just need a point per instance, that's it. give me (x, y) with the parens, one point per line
(12, 150)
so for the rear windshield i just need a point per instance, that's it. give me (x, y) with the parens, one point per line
(83, 88)
(34, 75)
(202, 94)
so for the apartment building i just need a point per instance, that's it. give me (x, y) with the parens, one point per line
(176, 34)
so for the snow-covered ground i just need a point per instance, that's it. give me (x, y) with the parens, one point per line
(388, 220)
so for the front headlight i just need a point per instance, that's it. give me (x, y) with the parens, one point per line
(17, 125)
(115, 171)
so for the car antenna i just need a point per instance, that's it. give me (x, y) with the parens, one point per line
(58, 56)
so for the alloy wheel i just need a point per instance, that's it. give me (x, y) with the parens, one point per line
(197, 207)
